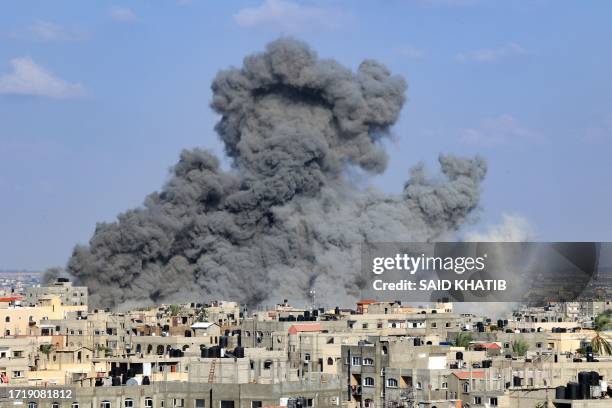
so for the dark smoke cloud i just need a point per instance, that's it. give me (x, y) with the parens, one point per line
(285, 219)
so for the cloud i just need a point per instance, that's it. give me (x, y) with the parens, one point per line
(47, 31)
(410, 52)
(512, 228)
(122, 14)
(492, 54)
(31, 79)
(289, 16)
(501, 130)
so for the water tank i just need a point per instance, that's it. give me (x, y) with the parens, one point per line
(594, 378)
(459, 355)
(589, 354)
(560, 392)
(239, 352)
(133, 381)
(584, 377)
(99, 382)
(146, 380)
(572, 391)
(203, 352)
(585, 391)
(223, 340)
(116, 381)
(417, 341)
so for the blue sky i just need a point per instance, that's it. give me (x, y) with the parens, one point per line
(98, 99)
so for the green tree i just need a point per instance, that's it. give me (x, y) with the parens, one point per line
(600, 342)
(463, 339)
(174, 309)
(46, 349)
(520, 347)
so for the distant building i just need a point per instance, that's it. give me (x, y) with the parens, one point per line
(69, 295)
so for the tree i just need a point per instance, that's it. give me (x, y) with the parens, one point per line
(202, 314)
(600, 342)
(520, 347)
(463, 339)
(174, 309)
(46, 349)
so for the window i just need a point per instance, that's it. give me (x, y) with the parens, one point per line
(368, 361)
(368, 382)
(466, 387)
(306, 357)
(493, 401)
(17, 374)
(392, 383)
(105, 404)
(434, 325)
(477, 400)
(448, 324)
(55, 405)
(256, 404)
(539, 345)
(199, 403)
(128, 403)
(7, 319)
(74, 405)
(364, 326)
(444, 385)
(330, 361)
(419, 385)
(178, 402)
(356, 360)
(149, 402)
(32, 405)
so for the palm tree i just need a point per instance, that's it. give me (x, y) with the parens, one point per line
(463, 339)
(520, 347)
(46, 349)
(603, 322)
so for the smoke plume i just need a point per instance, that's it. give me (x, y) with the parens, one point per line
(286, 219)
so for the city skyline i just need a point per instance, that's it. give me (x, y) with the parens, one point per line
(112, 100)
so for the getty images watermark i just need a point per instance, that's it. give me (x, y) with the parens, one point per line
(480, 271)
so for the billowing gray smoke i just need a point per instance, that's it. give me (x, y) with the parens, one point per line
(286, 219)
